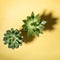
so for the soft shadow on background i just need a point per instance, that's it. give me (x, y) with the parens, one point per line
(26, 38)
(51, 21)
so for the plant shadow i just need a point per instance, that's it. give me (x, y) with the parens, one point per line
(51, 21)
(26, 38)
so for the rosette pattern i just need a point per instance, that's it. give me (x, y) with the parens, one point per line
(33, 25)
(13, 38)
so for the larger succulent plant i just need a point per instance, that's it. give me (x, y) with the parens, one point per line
(13, 38)
(33, 25)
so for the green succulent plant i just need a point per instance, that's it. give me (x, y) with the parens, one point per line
(33, 25)
(13, 38)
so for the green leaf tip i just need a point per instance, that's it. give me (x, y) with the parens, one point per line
(13, 38)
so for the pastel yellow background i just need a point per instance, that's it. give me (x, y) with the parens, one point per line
(44, 47)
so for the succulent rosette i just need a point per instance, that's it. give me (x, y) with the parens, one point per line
(33, 25)
(13, 38)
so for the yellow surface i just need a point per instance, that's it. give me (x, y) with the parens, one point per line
(44, 47)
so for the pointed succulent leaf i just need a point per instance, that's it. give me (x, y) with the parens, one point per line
(32, 14)
(43, 22)
(24, 21)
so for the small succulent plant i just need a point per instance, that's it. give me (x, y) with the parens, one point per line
(13, 38)
(33, 25)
